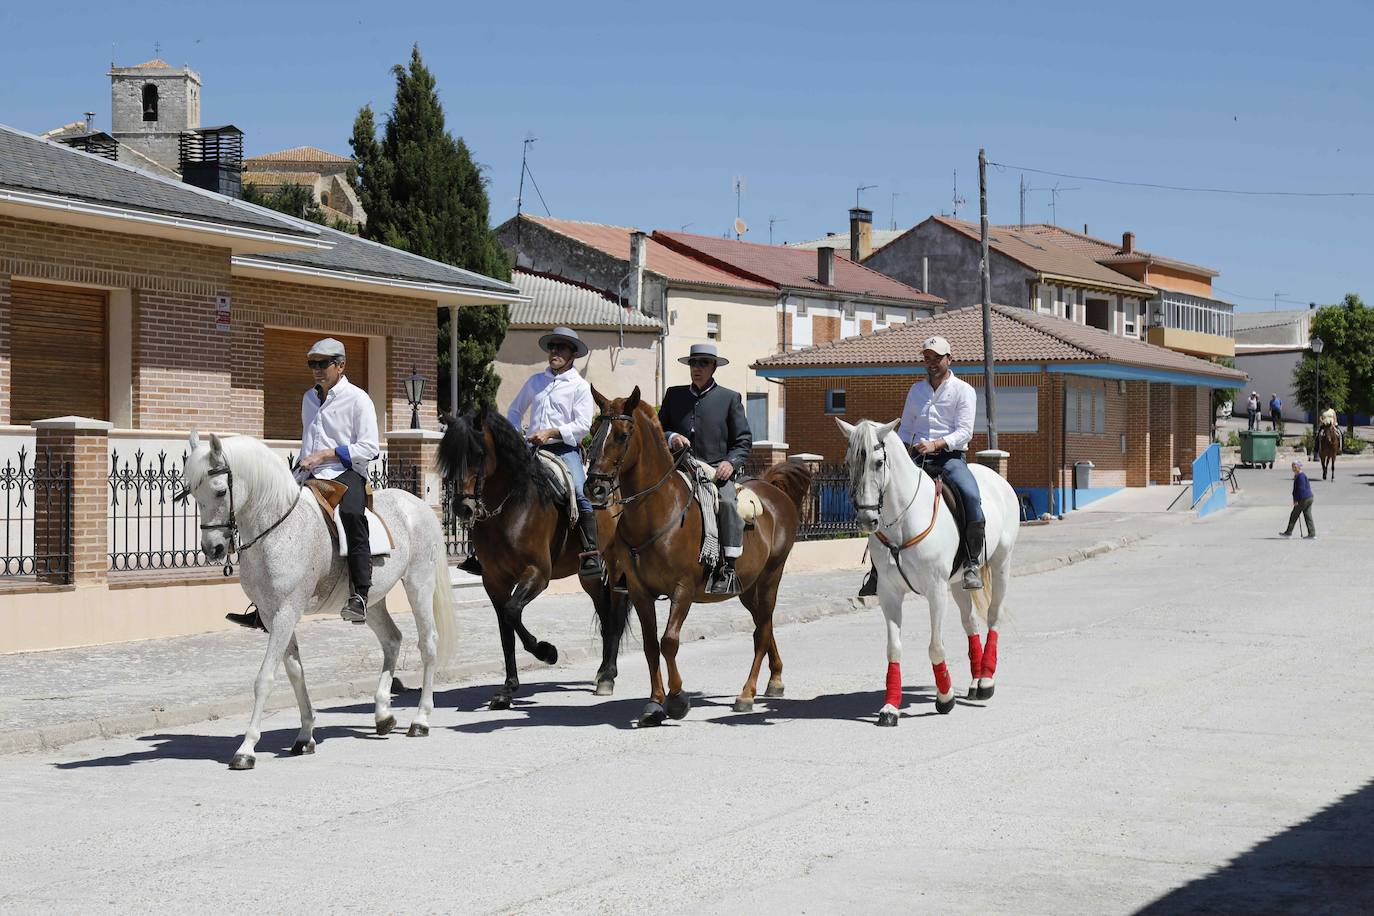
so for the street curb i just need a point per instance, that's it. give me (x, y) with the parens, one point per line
(54, 737)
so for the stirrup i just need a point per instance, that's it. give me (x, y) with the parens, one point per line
(723, 581)
(972, 581)
(590, 565)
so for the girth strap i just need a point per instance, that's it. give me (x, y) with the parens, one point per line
(896, 549)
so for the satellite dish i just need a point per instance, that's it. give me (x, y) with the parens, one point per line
(741, 226)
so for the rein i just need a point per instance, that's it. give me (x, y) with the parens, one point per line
(611, 479)
(232, 525)
(896, 549)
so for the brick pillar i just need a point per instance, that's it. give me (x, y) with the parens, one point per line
(996, 459)
(85, 444)
(1161, 433)
(420, 448)
(1137, 434)
(5, 323)
(768, 453)
(1185, 428)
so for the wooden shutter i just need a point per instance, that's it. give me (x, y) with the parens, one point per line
(59, 353)
(286, 378)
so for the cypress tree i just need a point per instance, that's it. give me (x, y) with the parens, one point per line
(424, 194)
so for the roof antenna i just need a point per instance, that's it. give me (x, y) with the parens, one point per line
(859, 190)
(958, 201)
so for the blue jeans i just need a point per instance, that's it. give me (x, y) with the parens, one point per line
(572, 460)
(961, 477)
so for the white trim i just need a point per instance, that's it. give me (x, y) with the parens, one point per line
(51, 204)
(119, 341)
(445, 294)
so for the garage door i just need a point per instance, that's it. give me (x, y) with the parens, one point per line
(59, 355)
(286, 377)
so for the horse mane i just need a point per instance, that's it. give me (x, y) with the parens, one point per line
(792, 477)
(463, 445)
(263, 481)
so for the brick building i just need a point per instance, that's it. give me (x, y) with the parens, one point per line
(1065, 393)
(134, 308)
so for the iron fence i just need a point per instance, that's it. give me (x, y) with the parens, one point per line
(149, 527)
(456, 539)
(38, 517)
(827, 511)
(395, 474)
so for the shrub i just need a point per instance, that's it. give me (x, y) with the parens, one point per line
(1233, 440)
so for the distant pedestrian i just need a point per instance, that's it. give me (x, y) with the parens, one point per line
(1252, 410)
(1276, 414)
(1302, 503)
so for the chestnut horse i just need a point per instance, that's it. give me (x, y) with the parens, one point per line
(521, 537)
(659, 540)
(1328, 447)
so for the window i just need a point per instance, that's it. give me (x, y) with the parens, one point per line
(756, 411)
(324, 198)
(849, 310)
(1018, 410)
(1130, 319)
(834, 400)
(880, 315)
(713, 327)
(801, 309)
(150, 102)
(1086, 411)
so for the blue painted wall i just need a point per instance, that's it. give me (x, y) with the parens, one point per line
(1059, 501)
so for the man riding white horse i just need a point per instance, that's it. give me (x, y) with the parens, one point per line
(711, 419)
(338, 440)
(560, 406)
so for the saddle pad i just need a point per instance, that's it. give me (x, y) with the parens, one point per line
(562, 482)
(749, 505)
(379, 538)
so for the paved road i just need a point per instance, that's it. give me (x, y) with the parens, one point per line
(1161, 733)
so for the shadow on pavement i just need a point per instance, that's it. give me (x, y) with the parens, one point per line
(466, 699)
(215, 748)
(1320, 865)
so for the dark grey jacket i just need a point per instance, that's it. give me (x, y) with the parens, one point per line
(714, 422)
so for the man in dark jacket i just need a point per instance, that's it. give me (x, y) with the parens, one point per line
(712, 421)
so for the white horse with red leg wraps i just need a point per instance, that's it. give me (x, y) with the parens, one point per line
(913, 540)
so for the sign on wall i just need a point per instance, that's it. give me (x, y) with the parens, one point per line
(222, 312)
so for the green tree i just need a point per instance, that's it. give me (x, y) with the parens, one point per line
(1347, 329)
(1334, 381)
(292, 199)
(424, 194)
(1222, 395)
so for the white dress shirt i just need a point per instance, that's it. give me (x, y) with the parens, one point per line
(940, 413)
(562, 402)
(346, 423)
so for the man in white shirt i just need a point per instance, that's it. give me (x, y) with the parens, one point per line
(339, 438)
(937, 424)
(560, 406)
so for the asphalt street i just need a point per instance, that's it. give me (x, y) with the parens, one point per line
(1166, 733)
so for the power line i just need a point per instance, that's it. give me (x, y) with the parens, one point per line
(1169, 187)
(1269, 298)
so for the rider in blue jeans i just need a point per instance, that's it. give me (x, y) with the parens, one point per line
(559, 403)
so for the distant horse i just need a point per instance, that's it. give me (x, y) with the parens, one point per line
(914, 542)
(659, 540)
(1328, 447)
(521, 536)
(289, 566)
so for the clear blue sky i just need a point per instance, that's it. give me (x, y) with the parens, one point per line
(644, 111)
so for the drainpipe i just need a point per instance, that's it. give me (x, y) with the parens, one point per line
(1064, 444)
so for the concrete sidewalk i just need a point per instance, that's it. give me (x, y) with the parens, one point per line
(49, 699)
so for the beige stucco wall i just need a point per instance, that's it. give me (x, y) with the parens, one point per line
(749, 332)
(612, 369)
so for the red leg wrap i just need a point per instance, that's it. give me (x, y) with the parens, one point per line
(894, 685)
(990, 655)
(942, 682)
(975, 655)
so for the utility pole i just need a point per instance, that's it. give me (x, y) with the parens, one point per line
(989, 388)
(1022, 223)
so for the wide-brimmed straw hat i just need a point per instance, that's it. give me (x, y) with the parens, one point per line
(566, 335)
(703, 351)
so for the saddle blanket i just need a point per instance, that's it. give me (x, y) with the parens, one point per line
(700, 477)
(378, 537)
(562, 483)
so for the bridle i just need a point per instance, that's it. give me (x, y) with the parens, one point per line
(610, 480)
(896, 549)
(480, 512)
(232, 525)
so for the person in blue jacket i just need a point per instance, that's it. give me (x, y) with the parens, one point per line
(1302, 503)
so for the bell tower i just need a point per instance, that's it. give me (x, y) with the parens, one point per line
(150, 105)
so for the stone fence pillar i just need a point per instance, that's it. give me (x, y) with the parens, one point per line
(420, 448)
(769, 453)
(996, 459)
(84, 443)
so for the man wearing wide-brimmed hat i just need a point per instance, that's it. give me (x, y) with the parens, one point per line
(559, 403)
(711, 419)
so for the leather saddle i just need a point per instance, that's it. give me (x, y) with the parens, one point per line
(954, 502)
(328, 494)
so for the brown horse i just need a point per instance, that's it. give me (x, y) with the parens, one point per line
(1328, 447)
(522, 539)
(659, 540)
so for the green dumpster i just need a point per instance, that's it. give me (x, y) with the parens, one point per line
(1257, 448)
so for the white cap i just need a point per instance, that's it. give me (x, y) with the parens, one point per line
(937, 344)
(328, 347)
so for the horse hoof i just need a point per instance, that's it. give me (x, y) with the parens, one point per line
(384, 726)
(303, 747)
(944, 706)
(678, 704)
(774, 691)
(743, 705)
(546, 652)
(604, 688)
(985, 693)
(242, 762)
(972, 691)
(887, 720)
(417, 730)
(653, 714)
(500, 701)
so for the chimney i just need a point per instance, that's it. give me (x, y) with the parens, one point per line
(925, 273)
(1127, 242)
(825, 266)
(860, 234)
(638, 260)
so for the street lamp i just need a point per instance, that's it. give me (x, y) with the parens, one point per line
(415, 390)
(1317, 346)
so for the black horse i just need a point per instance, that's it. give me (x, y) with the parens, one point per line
(522, 540)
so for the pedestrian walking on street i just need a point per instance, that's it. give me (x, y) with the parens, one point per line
(1252, 410)
(1302, 503)
(1276, 414)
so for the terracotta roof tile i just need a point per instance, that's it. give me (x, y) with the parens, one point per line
(662, 260)
(298, 154)
(276, 179)
(1019, 336)
(1101, 250)
(795, 267)
(156, 63)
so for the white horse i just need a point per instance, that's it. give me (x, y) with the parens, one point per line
(913, 540)
(289, 566)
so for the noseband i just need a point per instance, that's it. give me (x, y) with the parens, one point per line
(232, 525)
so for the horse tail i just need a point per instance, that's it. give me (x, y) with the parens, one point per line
(445, 620)
(792, 477)
(982, 598)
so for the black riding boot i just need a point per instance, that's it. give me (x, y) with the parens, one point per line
(723, 579)
(249, 618)
(589, 565)
(471, 565)
(973, 581)
(870, 586)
